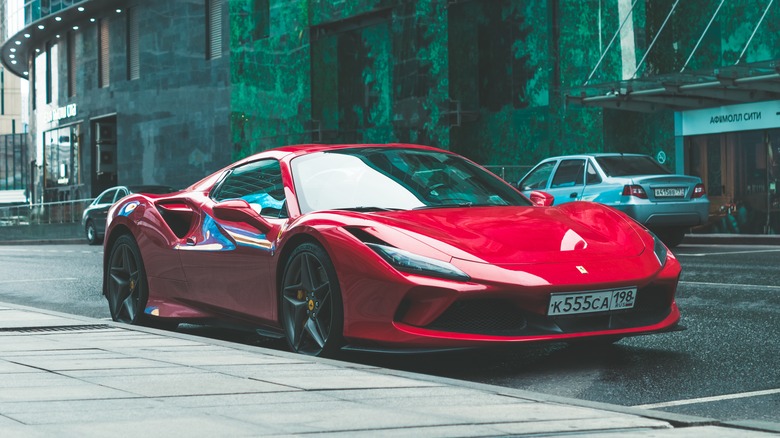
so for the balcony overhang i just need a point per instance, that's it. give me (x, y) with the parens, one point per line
(685, 91)
(16, 51)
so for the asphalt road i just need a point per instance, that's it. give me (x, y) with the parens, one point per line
(724, 366)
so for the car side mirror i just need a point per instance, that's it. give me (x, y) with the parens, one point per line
(541, 199)
(238, 210)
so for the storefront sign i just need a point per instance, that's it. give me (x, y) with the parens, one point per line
(743, 117)
(62, 112)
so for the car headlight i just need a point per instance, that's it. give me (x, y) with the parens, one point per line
(417, 264)
(660, 250)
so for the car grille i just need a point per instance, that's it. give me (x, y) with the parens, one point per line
(495, 317)
(499, 317)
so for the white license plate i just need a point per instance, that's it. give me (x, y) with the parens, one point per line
(590, 302)
(673, 192)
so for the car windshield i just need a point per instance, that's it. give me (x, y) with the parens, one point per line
(371, 179)
(629, 165)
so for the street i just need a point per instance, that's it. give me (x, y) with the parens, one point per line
(723, 366)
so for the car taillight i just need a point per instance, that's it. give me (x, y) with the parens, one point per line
(634, 190)
(698, 191)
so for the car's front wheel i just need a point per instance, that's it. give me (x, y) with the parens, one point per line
(91, 232)
(311, 306)
(127, 287)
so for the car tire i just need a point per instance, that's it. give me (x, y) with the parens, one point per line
(127, 290)
(310, 300)
(671, 237)
(91, 232)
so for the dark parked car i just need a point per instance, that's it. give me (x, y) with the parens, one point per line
(94, 217)
(667, 203)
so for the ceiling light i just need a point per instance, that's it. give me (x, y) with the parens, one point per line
(18, 43)
(57, 18)
(41, 27)
(58, 35)
(118, 11)
(13, 49)
(75, 28)
(27, 35)
(13, 61)
(81, 8)
(12, 56)
(91, 20)
(26, 73)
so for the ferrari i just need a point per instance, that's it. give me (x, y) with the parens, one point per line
(390, 247)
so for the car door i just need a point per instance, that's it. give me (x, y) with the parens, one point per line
(537, 178)
(568, 180)
(596, 189)
(228, 264)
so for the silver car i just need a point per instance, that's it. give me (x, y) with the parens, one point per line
(667, 203)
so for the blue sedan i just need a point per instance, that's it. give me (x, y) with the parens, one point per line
(667, 203)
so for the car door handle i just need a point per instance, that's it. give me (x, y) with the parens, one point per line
(573, 195)
(191, 241)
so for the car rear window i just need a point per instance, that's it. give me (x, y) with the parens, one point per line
(631, 165)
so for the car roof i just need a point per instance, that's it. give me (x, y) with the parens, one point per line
(597, 155)
(302, 149)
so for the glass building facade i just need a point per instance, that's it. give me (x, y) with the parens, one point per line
(166, 92)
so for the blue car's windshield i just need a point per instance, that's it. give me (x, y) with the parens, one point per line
(395, 179)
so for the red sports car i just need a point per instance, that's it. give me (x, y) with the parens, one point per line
(399, 247)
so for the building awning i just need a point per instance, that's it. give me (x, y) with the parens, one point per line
(17, 50)
(735, 82)
(685, 91)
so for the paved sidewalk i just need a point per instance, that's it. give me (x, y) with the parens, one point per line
(69, 376)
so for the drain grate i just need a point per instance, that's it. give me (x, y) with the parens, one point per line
(56, 328)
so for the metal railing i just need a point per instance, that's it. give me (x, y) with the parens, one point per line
(509, 173)
(61, 212)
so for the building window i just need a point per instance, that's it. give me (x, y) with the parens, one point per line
(133, 67)
(262, 19)
(48, 73)
(213, 29)
(103, 65)
(71, 65)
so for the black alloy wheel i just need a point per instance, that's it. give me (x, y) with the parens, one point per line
(311, 306)
(127, 288)
(92, 237)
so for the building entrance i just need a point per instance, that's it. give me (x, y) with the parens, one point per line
(741, 171)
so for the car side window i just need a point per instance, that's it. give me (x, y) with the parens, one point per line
(538, 177)
(106, 197)
(259, 183)
(121, 193)
(592, 174)
(570, 173)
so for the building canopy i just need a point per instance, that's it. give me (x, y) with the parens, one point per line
(681, 55)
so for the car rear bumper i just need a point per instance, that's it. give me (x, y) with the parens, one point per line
(669, 214)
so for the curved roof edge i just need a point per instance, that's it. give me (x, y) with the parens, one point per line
(16, 50)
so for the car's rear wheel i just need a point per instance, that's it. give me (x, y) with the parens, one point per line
(311, 306)
(127, 287)
(92, 235)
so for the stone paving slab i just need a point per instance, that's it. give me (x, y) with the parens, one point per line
(116, 380)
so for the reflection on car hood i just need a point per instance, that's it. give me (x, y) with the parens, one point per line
(519, 235)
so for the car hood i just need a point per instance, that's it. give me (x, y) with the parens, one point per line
(521, 235)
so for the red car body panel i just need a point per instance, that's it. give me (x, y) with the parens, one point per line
(199, 268)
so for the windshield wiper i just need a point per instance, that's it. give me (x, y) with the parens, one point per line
(460, 204)
(367, 208)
